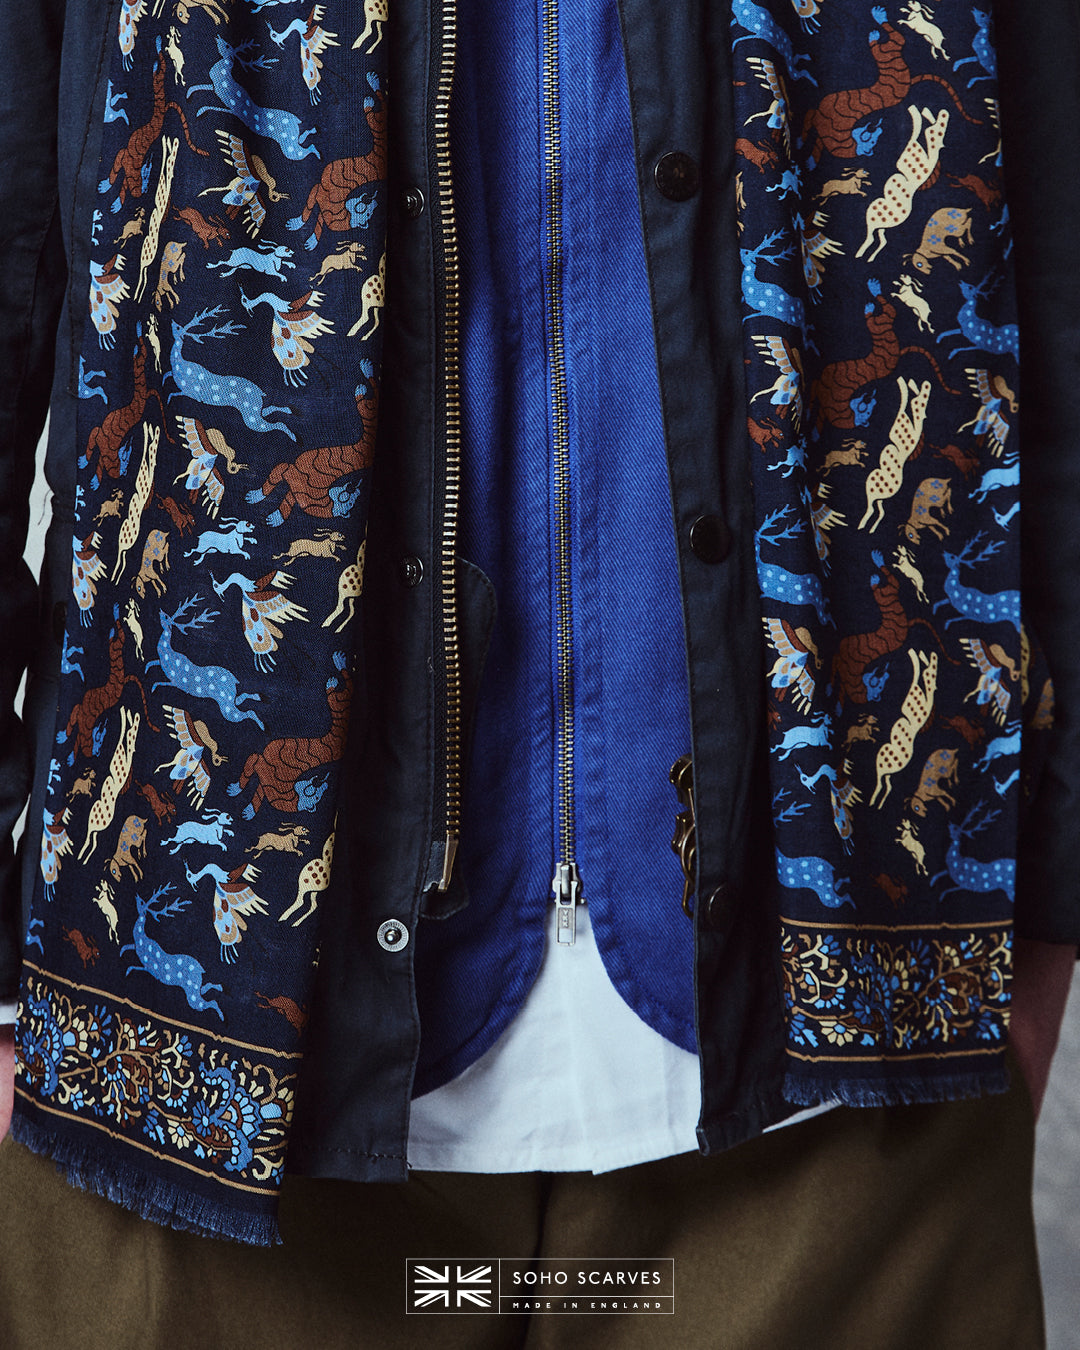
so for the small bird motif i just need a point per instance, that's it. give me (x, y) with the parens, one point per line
(988, 421)
(107, 290)
(823, 518)
(795, 651)
(264, 606)
(786, 392)
(777, 113)
(243, 193)
(991, 663)
(808, 11)
(196, 745)
(131, 14)
(816, 248)
(294, 327)
(314, 40)
(844, 795)
(55, 844)
(86, 570)
(233, 899)
(206, 446)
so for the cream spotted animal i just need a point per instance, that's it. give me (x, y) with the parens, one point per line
(313, 880)
(376, 13)
(350, 588)
(915, 712)
(916, 164)
(101, 813)
(373, 297)
(144, 486)
(906, 433)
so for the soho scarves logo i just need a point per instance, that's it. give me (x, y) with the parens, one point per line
(544, 1285)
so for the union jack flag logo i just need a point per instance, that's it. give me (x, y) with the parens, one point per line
(450, 1288)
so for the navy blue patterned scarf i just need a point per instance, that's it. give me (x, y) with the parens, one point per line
(882, 350)
(233, 317)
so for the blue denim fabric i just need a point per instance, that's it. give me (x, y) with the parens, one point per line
(630, 710)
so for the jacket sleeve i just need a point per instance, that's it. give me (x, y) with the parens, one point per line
(32, 280)
(1039, 55)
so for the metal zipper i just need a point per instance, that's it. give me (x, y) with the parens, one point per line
(566, 883)
(452, 444)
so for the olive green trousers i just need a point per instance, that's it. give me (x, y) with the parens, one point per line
(857, 1230)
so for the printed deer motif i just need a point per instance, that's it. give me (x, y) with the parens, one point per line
(983, 607)
(969, 874)
(278, 125)
(177, 969)
(212, 682)
(223, 391)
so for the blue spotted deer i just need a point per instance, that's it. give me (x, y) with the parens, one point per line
(983, 46)
(981, 333)
(766, 298)
(792, 588)
(274, 123)
(760, 24)
(969, 874)
(813, 874)
(983, 606)
(212, 682)
(221, 391)
(178, 969)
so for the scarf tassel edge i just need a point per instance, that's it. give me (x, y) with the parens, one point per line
(811, 1091)
(157, 1201)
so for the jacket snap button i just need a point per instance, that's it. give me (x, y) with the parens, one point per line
(393, 935)
(412, 571)
(412, 202)
(717, 906)
(59, 619)
(677, 176)
(710, 539)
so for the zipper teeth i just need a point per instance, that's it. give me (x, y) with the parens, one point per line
(452, 379)
(552, 156)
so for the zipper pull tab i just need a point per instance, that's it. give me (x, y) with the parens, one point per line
(448, 860)
(566, 885)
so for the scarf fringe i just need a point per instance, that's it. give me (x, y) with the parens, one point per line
(802, 1090)
(147, 1196)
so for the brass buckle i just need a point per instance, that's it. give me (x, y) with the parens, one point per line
(684, 841)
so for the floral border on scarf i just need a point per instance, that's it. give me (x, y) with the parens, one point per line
(914, 992)
(165, 1087)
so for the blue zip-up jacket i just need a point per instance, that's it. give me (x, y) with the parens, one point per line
(362, 1064)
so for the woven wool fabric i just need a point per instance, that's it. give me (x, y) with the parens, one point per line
(882, 351)
(237, 280)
